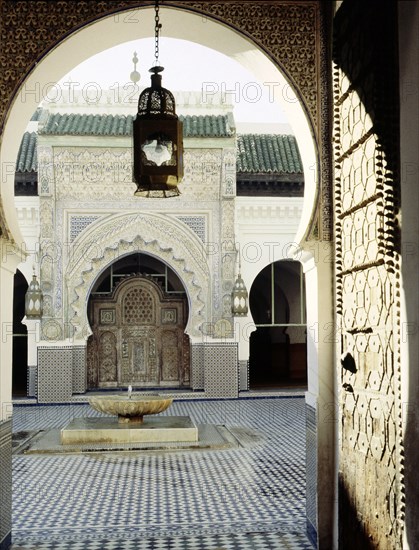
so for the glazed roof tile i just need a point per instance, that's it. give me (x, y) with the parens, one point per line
(268, 153)
(121, 125)
(72, 124)
(27, 158)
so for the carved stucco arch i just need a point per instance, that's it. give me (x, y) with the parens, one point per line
(119, 235)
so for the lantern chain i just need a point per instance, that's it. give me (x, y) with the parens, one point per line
(157, 32)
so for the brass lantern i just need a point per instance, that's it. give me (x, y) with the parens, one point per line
(239, 298)
(158, 137)
(33, 300)
(158, 147)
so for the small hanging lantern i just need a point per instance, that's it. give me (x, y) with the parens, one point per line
(33, 300)
(158, 136)
(239, 296)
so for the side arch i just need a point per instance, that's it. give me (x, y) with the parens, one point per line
(122, 234)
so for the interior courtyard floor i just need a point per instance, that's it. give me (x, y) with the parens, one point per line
(250, 497)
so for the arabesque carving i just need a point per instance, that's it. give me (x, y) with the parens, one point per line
(371, 486)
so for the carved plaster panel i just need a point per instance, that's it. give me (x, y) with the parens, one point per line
(45, 170)
(228, 178)
(82, 172)
(202, 176)
(371, 483)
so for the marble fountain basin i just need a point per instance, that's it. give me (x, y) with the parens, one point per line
(130, 409)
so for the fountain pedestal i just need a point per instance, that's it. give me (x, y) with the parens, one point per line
(162, 429)
(131, 423)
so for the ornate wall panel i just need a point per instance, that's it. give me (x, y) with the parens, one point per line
(78, 223)
(243, 375)
(371, 489)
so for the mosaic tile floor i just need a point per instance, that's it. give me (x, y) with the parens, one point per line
(251, 497)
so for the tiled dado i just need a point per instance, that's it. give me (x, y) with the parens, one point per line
(215, 368)
(55, 374)
(5, 484)
(61, 373)
(221, 369)
(311, 473)
(244, 375)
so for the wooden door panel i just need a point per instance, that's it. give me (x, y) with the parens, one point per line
(138, 338)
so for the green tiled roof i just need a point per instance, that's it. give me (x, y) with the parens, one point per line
(267, 153)
(121, 125)
(36, 115)
(256, 154)
(206, 126)
(27, 158)
(71, 124)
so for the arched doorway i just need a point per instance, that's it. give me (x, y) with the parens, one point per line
(138, 311)
(20, 337)
(278, 348)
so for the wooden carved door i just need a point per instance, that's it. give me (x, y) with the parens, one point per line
(138, 338)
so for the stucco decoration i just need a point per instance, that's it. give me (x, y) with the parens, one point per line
(371, 482)
(4, 232)
(45, 170)
(102, 172)
(201, 165)
(165, 238)
(228, 176)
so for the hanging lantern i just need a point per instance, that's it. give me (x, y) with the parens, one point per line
(33, 300)
(158, 137)
(239, 298)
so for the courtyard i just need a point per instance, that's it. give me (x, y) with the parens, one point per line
(248, 497)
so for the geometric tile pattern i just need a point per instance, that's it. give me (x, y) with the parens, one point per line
(247, 497)
(198, 224)
(311, 471)
(221, 370)
(5, 479)
(243, 375)
(55, 374)
(245, 541)
(197, 366)
(79, 369)
(32, 382)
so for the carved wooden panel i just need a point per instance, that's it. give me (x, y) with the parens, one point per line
(107, 357)
(138, 338)
(371, 489)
